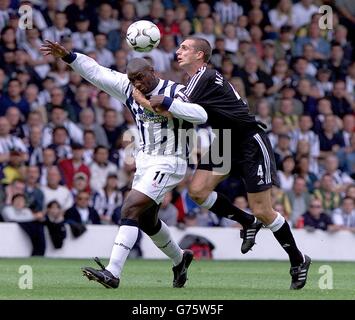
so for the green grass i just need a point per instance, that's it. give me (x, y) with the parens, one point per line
(151, 279)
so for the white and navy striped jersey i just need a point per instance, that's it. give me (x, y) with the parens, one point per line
(10, 143)
(158, 135)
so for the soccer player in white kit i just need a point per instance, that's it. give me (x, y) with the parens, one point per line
(161, 161)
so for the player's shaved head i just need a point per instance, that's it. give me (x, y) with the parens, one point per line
(203, 45)
(141, 74)
(138, 65)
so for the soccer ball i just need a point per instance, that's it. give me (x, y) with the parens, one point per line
(143, 36)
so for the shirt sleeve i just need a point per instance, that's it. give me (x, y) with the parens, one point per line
(190, 112)
(114, 83)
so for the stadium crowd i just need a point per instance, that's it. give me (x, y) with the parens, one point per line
(63, 143)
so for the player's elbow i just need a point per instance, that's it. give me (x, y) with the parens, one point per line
(202, 116)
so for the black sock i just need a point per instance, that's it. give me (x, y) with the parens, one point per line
(223, 207)
(285, 238)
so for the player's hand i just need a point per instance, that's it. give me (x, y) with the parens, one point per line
(139, 97)
(156, 104)
(53, 48)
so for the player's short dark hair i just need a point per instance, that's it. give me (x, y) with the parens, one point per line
(202, 45)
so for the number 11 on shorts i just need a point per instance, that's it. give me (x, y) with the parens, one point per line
(157, 175)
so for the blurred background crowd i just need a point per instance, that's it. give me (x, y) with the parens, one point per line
(63, 158)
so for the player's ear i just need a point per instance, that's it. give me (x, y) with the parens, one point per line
(200, 55)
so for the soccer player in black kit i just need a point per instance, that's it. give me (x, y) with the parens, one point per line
(251, 155)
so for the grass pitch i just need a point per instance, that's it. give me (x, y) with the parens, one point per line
(152, 279)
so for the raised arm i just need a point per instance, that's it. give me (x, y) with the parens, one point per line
(114, 83)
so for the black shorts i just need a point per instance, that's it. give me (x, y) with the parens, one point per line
(253, 161)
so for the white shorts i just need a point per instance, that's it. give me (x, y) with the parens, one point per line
(157, 175)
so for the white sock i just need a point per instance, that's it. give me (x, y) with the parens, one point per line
(125, 240)
(163, 240)
(277, 223)
(210, 201)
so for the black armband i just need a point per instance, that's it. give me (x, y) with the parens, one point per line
(69, 58)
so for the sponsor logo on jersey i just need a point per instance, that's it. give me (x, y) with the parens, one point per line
(147, 115)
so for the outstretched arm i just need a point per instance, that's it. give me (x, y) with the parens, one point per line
(113, 82)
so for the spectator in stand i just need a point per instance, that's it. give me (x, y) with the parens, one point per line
(286, 174)
(208, 31)
(9, 142)
(54, 191)
(13, 115)
(228, 11)
(81, 212)
(89, 146)
(78, 7)
(29, 222)
(341, 179)
(281, 15)
(304, 94)
(60, 143)
(287, 113)
(168, 25)
(299, 199)
(60, 73)
(54, 220)
(315, 218)
(59, 118)
(82, 100)
(100, 168)
(277, 127)
(251, 74)
(282, 149)
(330, 139)
(80, 183)
(106, 21)
(13, 97)
(110, 126)
(350, 81)
(304, 132)
(347, 158)
(108, 201)
(323, 83)
(33, 193)
(167, 50)
(337, 64)
(326, 193)
(70, 166)
(340, 100)
(303, 169)
(34, 146)
(284, 45)
(87, 122)
(168, 212)
(83, 39)
(344, 217)
(104, 56)
(58, 31)
(263, 113)
(302, 13)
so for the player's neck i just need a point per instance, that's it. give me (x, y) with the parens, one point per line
(194, 68)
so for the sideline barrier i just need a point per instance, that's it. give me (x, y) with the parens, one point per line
(98, 241)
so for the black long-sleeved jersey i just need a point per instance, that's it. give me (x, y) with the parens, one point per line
(224, 106)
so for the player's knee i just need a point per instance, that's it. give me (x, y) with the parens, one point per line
(129, 211)
(258, 209)
(197, 194)
(261, 211)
